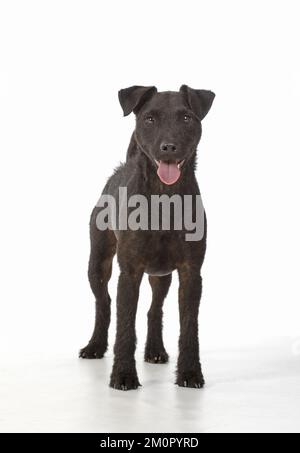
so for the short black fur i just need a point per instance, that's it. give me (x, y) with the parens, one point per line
(165, 117)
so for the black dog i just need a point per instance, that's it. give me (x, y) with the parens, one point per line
(160, 160)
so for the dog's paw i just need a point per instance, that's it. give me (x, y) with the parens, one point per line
(192, 379)
(92, 351)
(158, 356)
(126, 380)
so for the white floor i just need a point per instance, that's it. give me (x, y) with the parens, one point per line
(249, 390)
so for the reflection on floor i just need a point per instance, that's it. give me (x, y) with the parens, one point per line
(248, 390)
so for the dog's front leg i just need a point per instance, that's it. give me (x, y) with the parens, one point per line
(124, 375)
(189, 372)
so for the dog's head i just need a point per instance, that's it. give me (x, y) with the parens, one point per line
(168, 125)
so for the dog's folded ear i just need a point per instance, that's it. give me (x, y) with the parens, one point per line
(132, 98)
(200, 101)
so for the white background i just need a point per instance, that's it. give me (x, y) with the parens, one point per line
(62, 133)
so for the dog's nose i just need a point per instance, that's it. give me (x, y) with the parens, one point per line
(165, 147)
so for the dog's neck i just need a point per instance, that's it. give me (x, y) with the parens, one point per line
(137, 157)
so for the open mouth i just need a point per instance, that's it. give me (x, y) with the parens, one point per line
(169, 171)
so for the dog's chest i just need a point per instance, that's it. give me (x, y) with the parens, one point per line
(161, 254)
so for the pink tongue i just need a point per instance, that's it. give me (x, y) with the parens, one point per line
(168, 173)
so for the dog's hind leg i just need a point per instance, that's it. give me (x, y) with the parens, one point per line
(103, 248)
(154, 350)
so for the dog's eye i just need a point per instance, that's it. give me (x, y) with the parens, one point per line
(187, 118)
(149, 119)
